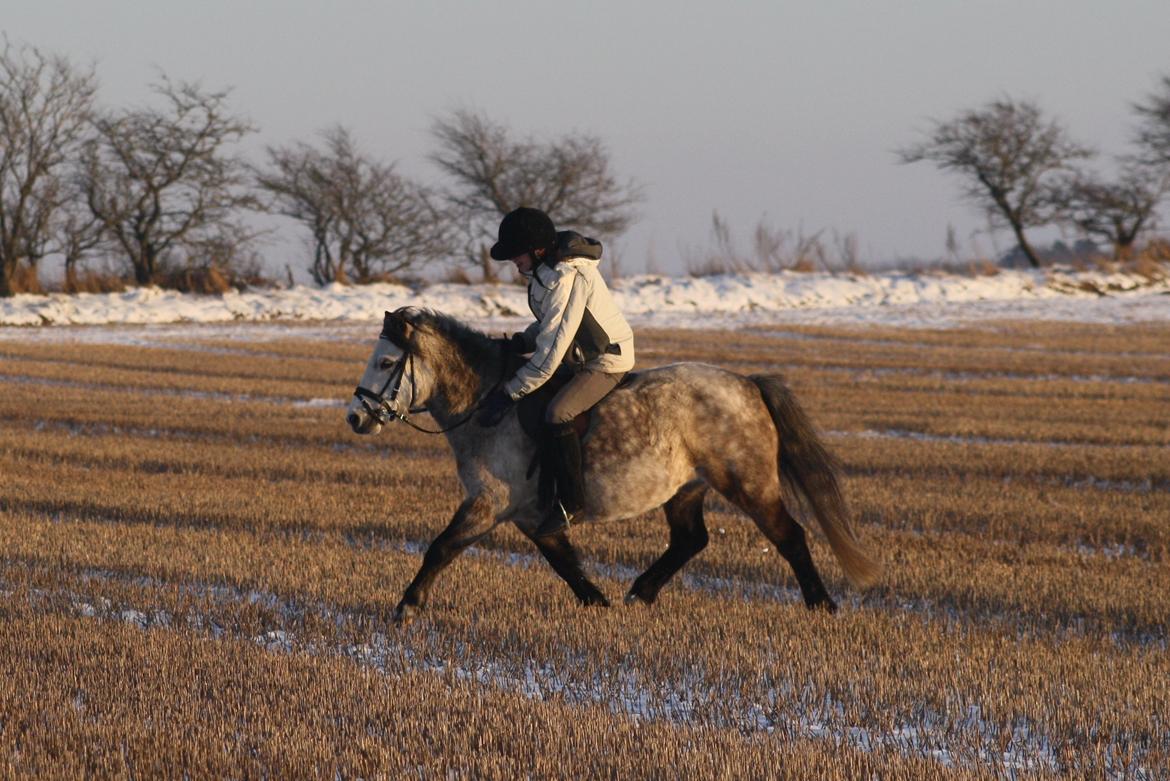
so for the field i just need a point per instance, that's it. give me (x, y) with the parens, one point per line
(200, 561)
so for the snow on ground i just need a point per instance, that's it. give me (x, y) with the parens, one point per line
(945, 737)
(723, 301)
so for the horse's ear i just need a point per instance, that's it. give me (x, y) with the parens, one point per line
(397, 329)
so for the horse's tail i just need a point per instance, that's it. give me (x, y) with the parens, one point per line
(809, 471)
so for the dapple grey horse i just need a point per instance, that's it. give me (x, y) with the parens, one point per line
(663, 438)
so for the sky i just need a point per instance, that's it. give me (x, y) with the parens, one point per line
(784, 112)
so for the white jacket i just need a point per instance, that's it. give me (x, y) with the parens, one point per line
(576, 317)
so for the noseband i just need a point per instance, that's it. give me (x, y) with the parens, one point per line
(383, 409)
(379, 407)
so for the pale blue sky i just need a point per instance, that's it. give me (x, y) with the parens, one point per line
(789, 110)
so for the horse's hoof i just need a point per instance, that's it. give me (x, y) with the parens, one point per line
(827, 605)
(404, 615)
(595, 601)
(633, 598)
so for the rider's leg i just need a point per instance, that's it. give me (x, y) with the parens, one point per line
(565, 456)
(564, 446)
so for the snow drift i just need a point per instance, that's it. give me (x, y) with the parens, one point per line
(721, 301)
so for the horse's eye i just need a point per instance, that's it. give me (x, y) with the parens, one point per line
(387, 363)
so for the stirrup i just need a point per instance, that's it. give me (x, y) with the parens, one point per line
(555, 520)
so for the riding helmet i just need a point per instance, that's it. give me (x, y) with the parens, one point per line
(524, 230)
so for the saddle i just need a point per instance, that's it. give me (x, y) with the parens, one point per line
(530, 410)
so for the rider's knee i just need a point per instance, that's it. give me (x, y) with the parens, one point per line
(559, 414)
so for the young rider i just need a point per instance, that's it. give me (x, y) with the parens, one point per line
(577, 324)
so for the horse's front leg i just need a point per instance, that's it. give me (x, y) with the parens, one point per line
(472, 521)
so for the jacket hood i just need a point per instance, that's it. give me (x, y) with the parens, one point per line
(572, 245)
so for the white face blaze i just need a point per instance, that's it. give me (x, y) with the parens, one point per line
(377, 373)
(414, 389)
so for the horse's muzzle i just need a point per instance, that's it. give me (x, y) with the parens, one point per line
(363, 424)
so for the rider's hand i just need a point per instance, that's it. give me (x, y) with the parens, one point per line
(493, 408)
(518, 345)
(513, 344)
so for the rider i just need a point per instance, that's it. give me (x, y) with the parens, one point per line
(577, 320)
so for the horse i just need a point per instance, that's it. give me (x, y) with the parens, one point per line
(663, 438)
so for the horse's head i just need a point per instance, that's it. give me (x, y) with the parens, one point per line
(397, 379)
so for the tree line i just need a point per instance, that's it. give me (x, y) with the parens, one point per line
(160, 193)
(1025, 170)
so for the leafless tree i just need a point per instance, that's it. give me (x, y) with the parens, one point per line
(45, 104)
(161, 180)
(1153, 134)
(229, 250)
(492, 173)
(1008, 153)
(79, 235)
(365, 220)
(1120, 210)
(1117, 211)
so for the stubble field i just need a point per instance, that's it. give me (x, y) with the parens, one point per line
(200, 561)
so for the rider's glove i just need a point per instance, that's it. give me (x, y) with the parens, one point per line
(513, 344)
(493, 408)
(518, 345)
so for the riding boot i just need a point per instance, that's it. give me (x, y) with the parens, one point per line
(564, 457)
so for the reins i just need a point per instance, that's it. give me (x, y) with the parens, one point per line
(380, 405)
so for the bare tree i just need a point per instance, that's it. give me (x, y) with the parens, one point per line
(1008, 153)
(1117, 211)
(45, 105)
(1120, 210)
(161, 180)
(227, 253)
(366, 221)
(493, 173)
(79, 234)
(1153, 134)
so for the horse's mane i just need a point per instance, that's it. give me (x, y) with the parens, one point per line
(453, 329)
(468, 358)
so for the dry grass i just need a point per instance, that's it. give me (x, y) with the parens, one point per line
(360, 723)
(202, 582)
(93, 281)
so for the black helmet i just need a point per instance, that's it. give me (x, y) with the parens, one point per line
(524, 230)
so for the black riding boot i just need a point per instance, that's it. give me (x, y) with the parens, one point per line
(564, 456)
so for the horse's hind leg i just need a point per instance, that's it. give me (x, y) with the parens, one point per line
(561, 554)
(786, 534)
(688, 536)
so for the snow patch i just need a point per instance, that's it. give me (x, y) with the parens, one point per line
(1024, 747)
(924, 299)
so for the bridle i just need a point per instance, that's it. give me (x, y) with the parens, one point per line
(383, 409)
